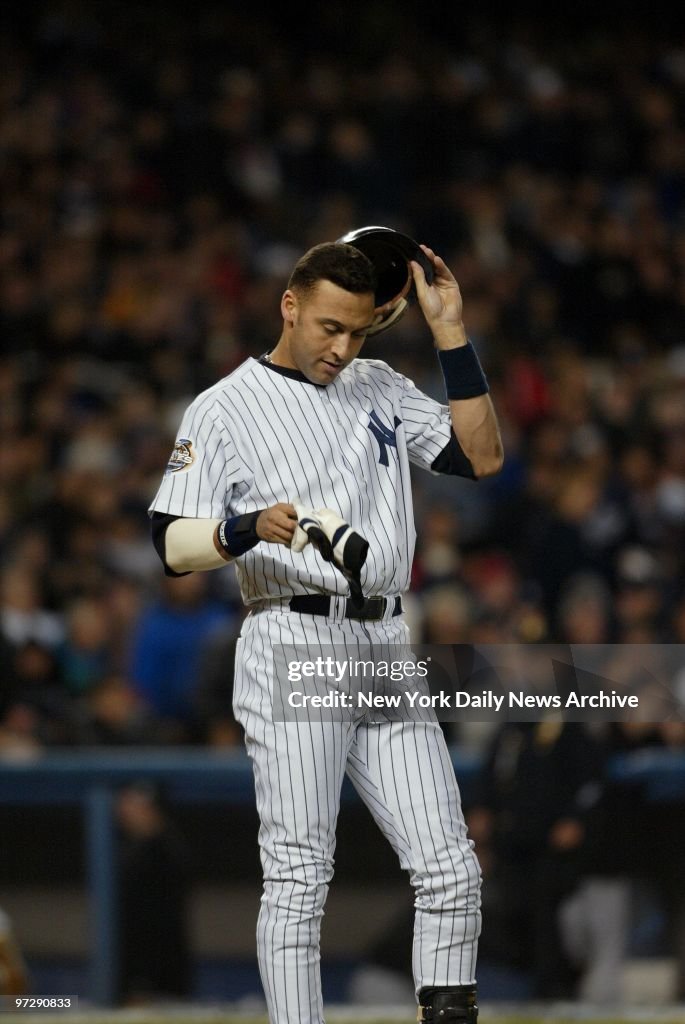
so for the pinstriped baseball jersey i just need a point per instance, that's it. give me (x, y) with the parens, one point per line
(265, 435)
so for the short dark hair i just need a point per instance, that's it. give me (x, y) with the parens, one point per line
(337, 262)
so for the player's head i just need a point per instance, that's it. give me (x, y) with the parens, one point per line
(337, 262)
(327, 308)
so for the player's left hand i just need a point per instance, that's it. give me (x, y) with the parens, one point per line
(441, 301)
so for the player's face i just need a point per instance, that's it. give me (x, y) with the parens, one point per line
(327, 327)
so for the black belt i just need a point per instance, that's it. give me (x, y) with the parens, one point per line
(320, 604)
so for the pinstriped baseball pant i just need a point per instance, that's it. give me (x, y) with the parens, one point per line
(403, 773)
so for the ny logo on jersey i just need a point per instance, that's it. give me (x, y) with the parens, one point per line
(384, 435)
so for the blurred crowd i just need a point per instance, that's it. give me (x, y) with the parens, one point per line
(160, 174)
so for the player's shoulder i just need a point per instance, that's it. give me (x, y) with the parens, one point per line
(377, 370)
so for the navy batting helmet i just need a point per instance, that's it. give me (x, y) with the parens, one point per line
(390, 252)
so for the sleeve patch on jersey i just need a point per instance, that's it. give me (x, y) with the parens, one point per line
(182, 457)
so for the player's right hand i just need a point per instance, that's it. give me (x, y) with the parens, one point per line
(276, 525)
(441, 301)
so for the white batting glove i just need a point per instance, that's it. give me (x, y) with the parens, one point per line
(336, 542)
(334, 539)
(339, 543)
(348, 548)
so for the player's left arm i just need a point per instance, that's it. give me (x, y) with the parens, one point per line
(473, 416)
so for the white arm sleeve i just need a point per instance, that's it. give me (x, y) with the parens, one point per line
(191, 547)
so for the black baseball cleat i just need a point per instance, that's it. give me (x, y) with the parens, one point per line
(456, 1005)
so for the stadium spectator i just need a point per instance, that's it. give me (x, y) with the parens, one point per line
(167, 646)
(85, 653)
(23, 616)
(113, 714)
(212, 697)
(529, 824)
(39, 710)
(14, 976)
(154, 951)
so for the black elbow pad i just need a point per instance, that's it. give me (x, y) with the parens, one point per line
(159, 522)
(453, 461)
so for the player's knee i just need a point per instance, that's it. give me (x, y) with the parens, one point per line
(300, 893)
(304, 865)
(464, 913)
(449, 890)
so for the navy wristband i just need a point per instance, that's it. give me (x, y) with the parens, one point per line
(464, 377)
(239, 534)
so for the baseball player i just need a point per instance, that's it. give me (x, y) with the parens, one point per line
(296, 468)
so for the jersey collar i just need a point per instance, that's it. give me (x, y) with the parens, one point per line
(285, 371)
